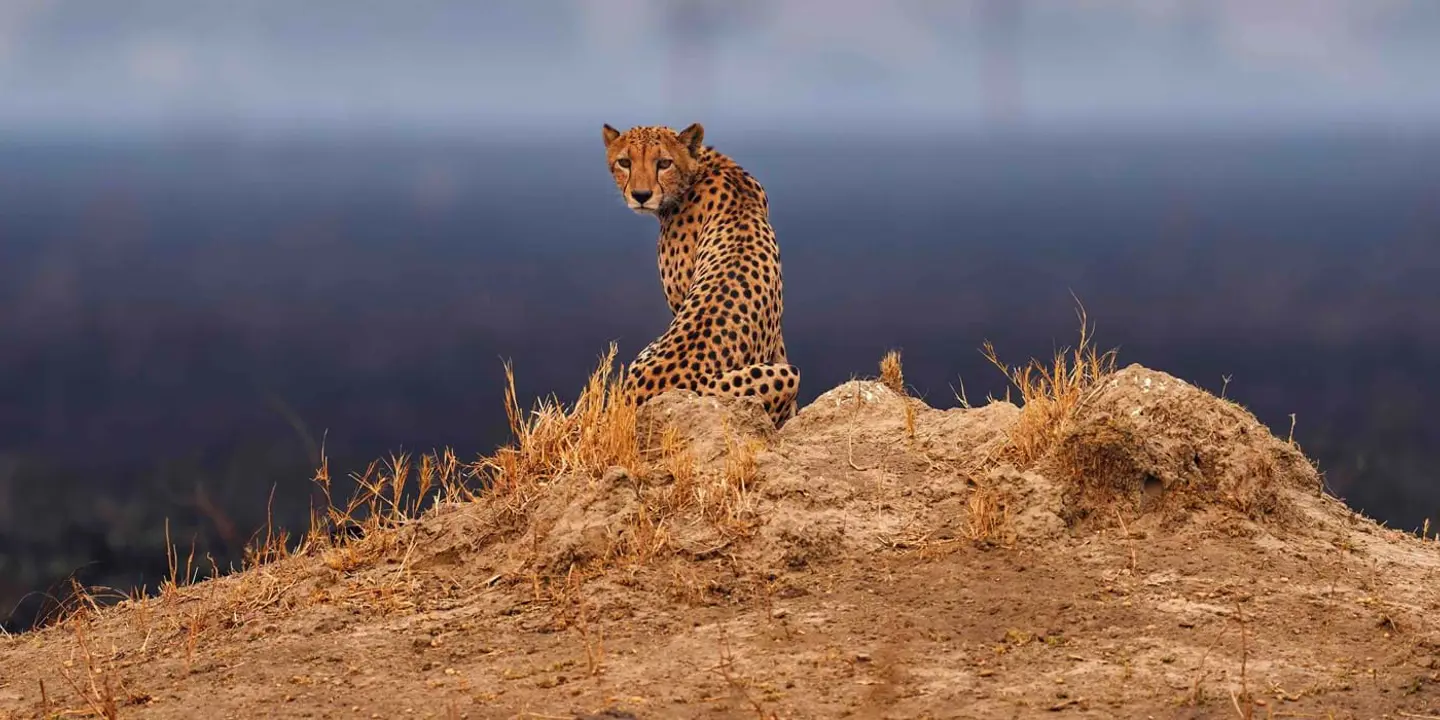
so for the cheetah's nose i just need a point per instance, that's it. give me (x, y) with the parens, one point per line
(641, 195)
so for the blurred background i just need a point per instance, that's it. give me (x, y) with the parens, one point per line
(233, 232)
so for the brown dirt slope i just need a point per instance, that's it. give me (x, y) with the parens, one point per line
(1123, 545)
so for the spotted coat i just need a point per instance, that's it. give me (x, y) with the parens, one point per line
(719, 267)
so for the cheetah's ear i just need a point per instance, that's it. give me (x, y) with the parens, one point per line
(610, 134)
(692, 137)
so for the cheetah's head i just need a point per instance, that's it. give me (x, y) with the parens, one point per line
(653, 166)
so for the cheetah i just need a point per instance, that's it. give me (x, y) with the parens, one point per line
(719, 267)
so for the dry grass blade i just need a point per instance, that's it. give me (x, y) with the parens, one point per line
(98, 686)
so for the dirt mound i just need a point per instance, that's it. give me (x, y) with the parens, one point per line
(725, 483)
(1155, 443)
(875, 557)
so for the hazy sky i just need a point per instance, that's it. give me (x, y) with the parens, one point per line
(486, 66)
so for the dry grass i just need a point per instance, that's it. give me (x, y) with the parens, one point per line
(597, 432)
(891, 374)
(97, 687)
(184, 613)
(1052, 394)
(551, 441)
(1051, 397)
(730, 503)
(90, 674)
(600, 431)
(555, 448)
(987, 516)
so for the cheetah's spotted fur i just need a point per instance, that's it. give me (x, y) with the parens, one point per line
(719, 266)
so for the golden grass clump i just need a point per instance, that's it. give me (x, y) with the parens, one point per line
(1052, 395)
(597, 432)
(891, 374)
(602, 430)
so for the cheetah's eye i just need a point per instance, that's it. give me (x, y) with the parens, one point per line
(624, 163)
(663, 163)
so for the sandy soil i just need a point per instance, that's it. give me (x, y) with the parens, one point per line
(1168, 558)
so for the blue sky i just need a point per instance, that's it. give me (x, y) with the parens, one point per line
(498, 66)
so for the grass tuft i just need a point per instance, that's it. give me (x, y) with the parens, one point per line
(1052, 394)
(597, 432)
(891, 373)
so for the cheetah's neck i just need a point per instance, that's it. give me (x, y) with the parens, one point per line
(714, 193)
(697, 207)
